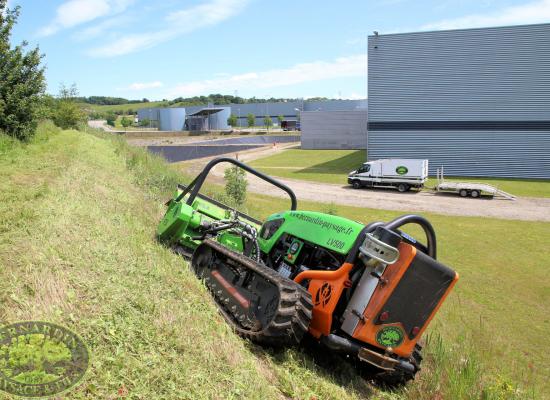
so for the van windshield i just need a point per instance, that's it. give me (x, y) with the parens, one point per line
(364, 168)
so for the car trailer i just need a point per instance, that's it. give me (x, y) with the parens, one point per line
(471, 189)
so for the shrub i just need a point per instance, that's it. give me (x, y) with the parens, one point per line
(236, 184)
(232, 120)
(111, 118)
(67, 113)
(268, 122)
(251, 120)
(97, 115)
(126, 122)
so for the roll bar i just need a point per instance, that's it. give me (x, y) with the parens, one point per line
(431, 246)
(195, 186)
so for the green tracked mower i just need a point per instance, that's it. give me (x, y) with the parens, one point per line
(367, 292)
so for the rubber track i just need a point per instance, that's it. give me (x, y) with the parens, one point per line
(293, 315)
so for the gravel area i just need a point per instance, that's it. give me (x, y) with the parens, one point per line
(524, 208)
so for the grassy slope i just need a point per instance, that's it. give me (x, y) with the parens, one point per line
(90, 206)
(333, 166)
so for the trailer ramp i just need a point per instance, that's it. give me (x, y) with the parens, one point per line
(469, 188)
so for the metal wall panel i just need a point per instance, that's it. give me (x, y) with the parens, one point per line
(334, 129)
(287, 110)
(485, 91)
(171, 119)
(512, 154)
(218, 121)
(152, 114)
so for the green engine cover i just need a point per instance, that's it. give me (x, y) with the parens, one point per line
(328, 231)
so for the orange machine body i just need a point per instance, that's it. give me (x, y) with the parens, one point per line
(326, 288)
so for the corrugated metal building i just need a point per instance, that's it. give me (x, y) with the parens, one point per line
(289, 110)
(208, 119)
(476, 101)
(201, 117)
(334, 129)
(171, 119)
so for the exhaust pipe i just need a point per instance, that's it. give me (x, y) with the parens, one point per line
(340, 344)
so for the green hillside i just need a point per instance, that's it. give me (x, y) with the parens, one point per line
(78, 213)
(122, 107)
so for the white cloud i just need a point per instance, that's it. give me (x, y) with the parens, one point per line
(529, 13)
(143, 85)
(98, 29)
(178, 23)
(352, 66)
(76, 12)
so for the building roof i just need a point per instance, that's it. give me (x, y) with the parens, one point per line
(206, 111)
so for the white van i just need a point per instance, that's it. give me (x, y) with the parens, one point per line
(400, 173)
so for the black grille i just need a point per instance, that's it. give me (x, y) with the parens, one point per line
(418, 293)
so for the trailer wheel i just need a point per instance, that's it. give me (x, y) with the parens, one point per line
(403, 187)
(463, 193)
(356, 185)
(475, 194)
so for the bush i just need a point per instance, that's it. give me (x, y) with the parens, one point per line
(125, 122)
(232, 120)
(97, 115)
(22, 82)
(236, 184)
(145, 122)
(46, 108)
(268, 122)
(67, 113)
(111, 118)
(251, 119)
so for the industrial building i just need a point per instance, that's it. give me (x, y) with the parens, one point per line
(182, 119)
(334, 129)
(290, 110)
(214, 117)
(476, 101)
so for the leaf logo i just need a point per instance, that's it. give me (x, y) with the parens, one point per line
(401, 170)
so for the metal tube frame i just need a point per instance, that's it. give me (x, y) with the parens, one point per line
(195, 186)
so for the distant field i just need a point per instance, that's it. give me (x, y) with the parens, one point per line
(333, 166)
(123, 107)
